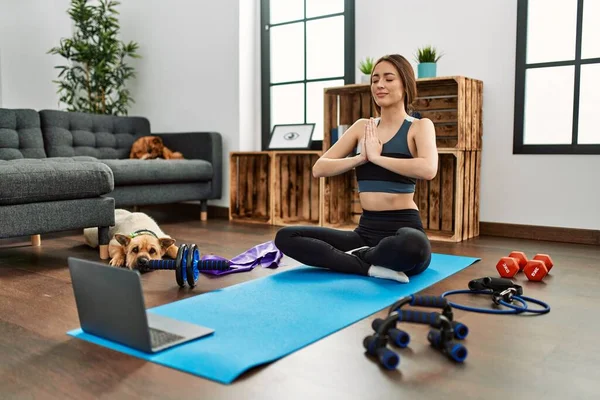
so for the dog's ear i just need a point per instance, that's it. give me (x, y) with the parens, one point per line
(165, 243)
(123, 239)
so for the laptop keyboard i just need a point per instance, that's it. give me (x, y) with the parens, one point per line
(159, 338)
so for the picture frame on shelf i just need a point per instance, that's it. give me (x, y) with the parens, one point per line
(291, 137)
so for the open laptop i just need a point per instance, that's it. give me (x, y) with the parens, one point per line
(110, 305)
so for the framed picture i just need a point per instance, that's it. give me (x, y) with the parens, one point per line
(291, 137)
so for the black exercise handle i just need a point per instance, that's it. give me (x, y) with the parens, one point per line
(429, 301)
(160, 264)
(213, 265)
(203, 265)
(419, 317)
(494, 284)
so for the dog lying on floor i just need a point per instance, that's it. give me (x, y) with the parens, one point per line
(151, 147)
(135, 236)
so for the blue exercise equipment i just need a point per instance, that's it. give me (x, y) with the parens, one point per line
(187, 265)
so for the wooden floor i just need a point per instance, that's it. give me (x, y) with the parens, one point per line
(556, 355)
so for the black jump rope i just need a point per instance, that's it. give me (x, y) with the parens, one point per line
(445, 332)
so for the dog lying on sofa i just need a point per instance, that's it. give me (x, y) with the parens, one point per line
(151, 147)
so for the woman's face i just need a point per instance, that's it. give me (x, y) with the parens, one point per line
(386, 85)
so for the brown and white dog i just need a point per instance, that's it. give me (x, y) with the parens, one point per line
(150, 147)
(135, 237)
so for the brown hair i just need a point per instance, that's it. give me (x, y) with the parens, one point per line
(407, 75)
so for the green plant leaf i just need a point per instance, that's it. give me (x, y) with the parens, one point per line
(427, 54)
(366, 66)
(96, 72)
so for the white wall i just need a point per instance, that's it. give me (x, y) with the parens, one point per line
(0, 76)
(249, 52)
(28, 29)
(479, 41)
(188, 78)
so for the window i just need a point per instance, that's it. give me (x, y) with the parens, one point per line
(307, 45)
(557, 85)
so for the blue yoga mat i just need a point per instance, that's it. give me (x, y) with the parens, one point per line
(262, 320)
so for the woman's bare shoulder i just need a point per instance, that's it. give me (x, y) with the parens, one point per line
(360, 122)
(358, 126)
(422, 123)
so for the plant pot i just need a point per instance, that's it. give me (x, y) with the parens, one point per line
(365, 79)
(427, 70)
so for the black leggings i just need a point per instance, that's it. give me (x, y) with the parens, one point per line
(396, 240)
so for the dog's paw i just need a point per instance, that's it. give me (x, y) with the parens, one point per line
(117, 262)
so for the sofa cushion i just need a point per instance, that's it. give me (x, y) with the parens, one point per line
(20, 134)
(36, 180)
(137, 172)
(68, 134)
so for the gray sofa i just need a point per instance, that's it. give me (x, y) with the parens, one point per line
(67, 170)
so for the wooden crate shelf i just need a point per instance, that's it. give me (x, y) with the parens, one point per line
(453, 103)
(337, 201)
(296, 191)
(250, 187)
(277, 187)
(449, 204)
(274, 187)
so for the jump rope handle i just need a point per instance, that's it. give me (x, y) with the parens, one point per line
(494, 284)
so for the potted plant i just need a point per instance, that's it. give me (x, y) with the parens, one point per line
(427, 57)
(94, 77)
(366, 67)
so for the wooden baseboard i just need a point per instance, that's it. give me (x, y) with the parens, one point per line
(548, 233)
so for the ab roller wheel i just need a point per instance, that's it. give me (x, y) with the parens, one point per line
(187, 265)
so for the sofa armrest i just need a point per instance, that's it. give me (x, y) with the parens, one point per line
(200, 146)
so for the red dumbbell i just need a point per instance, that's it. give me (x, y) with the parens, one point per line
(520, 257)
(509, 266)
(546, 259)
(537, 268)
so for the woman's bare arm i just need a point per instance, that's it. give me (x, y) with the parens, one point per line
(335, 160)
(425, 165)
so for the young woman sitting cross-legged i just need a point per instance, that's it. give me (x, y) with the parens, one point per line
(394, 151)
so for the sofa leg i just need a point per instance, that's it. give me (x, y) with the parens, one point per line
(104, 252)
(36, 240)
(203, 210)
(103, 240)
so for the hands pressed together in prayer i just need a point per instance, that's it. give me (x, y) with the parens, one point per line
(370, 145)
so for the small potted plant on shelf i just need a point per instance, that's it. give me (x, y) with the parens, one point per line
(366, 67)
(427, 57)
